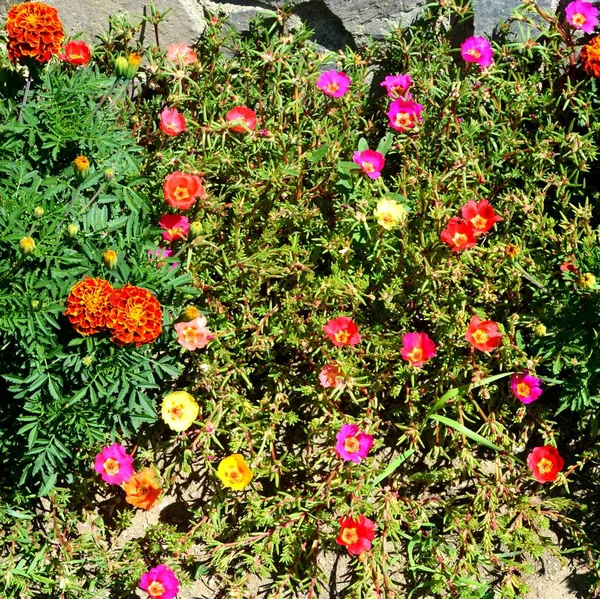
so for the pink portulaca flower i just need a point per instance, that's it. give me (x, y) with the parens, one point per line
(176, 227)
(404, 114)
(525, 388)
(194, 334)
(417, 348)
(181, 54)
(114, 464)
(334, 83)
(331, 376)
(160, 583)
(370, 162)
(477, 49)
(342, 331)
(397, 86)
(172, 122)
(246, 118)
(582, 15)
(353, 445)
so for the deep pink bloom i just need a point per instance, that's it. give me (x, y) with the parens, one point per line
(370, 162)
(176, 226)
(194, 334)
(477, 49)
(417, 348)
(244, 116)
(356, 535)
(525, 388)
(114, 464)
(342, 331)
(582, 15)
(334, 83)
(172, 122)
(352, 444)
(158, 253)
(397, 85)
(404, 114)
(545, 463)
(181, 54)
(160, 583)
(330, 376)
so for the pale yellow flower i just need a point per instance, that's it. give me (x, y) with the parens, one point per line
(234, 472)
(389, 214)
(179, 410)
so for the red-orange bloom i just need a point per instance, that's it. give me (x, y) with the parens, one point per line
(483, 334)
(142, 489)
(545, 463)
(87, 304)
(356, 535)
(459, 235)
(245, 116)
(481, 215)
(134, 316)
(34, 31)
(590, 57)
(76, 52)
(342, 331)
(182, 190)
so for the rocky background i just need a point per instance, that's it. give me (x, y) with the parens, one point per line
(336, 23)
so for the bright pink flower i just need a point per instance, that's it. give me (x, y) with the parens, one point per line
(77, 52)
(172, 122)
(370, 162)
(397, 85)
(177, 227)
(114, 464)
(342, 331)
(244, 116)
(356, 535)
(545, 463)
(160, 583)
(194, 334)
(582, 15)
(155, 255)
(181, 54)
(459, 235)
(483, 334)
(477, 49)
(417, 348)
(330, 376)
(525, 388)
(334, 83)
(352, 444)
(481, 215)
(404, 114)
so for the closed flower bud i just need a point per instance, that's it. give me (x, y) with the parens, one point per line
(38, 212)
(195, 229)
(87, 360)
(133, 64)
(121, 67)
(72, 230)
(81, 165)
(109, 258)
(35, 304)
(109, 174)
(587, 281)
(190, 313)
(539, 330)
(27, 245)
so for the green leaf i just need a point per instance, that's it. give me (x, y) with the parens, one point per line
(466, 431)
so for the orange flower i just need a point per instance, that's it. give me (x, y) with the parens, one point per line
(34, 31)
(87, 304)
(142, 489)
(590, 57)
(133, 316)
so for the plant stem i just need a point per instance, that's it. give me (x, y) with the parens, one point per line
(25, 95)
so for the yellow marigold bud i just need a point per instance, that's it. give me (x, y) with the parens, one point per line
(540, 330)
(109, 174)
(133, 61)
(109, 258)
(38, 212)
(35, 304)
(587, 281)
(27, 245)
(121, 66)
(195, 229)
(72, 230)
(190, 313)
(81, 165)
(87, 360)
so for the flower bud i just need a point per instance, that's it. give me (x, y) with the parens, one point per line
(109, 258)
(190, 313)
(81, 165)
(38, 212)
(72, 230)
(35, 304)
(195, 229)
(109, 174)
(587, 281)
(539, 330)
(27, 245)
(121, 66)
(133, 64)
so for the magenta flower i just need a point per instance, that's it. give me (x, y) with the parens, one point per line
(397, 86)
(477, 49)
(525, 388)
(160, 583)
(352, 444)
(330, 376)
(417, 348)
(582, 15)
(404, 114)
(334, 83)
(176, 226)
(370, 162)
(158, 253)
(114, 464)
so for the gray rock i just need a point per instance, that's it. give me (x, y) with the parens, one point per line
(488, 13)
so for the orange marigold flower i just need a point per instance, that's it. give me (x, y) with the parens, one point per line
(142, 489)
(590, 57)
(134, 315)
(34, 31)
(87, 305)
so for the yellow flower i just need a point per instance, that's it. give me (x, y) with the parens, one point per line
(389, 213)
(27, 245)
(234, 472)
(190, 313)
(110, 258)
(587, 281)
(179, 410)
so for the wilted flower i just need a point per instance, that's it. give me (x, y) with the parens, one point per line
(176, 227)
(245, 117)
(353, 445)
(181, 190)
(525, 388)
(481, 215)
(389, 213)
(114, 464)
(483, 334)
(342, 331)
(172, 122)
(160, 583)
(179, 410)
(417, 348)
(330, 376)
(370, 162)
(234, 472)
(397, 85)
(582, 15)
(142, 490)
(404, 114)
(77, 52)
(194, 334)
(477, 49)
(356, 535)
(459, 235)
(181, 54)
(545, 463)
(334, 83)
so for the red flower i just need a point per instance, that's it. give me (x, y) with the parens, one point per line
(356, 535)
(244, 116)
(172, 122)
(342, 331)
(87, 303)
(481, 215)
(459, 235)
(76, 52)
(483, 334)
(176, 226)
(182, 190)
(134, 316)
(545, 463)
(417, 348)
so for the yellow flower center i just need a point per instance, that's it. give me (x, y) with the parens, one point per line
(234, 475)
(190, 334)
(415, 354)
(403, 119)
(111, 467)
(176, 232)
(181, 193)
(176, 411)
(135, 313)
(545, 465)
(578, 19)
(387, 219)
(368, 167)
(351, 444)
(523, 389)
(474, 53)
(332, 87)
(75, 56)
(342, 336)
(480, 336)
(459, 239)
(349, 536)
(155, 589)
(479, 222)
